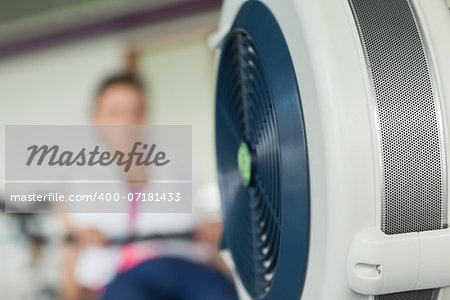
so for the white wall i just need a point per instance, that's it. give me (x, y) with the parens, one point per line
(56, 85)
(181, 89)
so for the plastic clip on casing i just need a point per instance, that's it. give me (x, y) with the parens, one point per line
(382, 264)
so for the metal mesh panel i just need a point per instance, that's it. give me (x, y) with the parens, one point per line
(409, 120)
(413, 295)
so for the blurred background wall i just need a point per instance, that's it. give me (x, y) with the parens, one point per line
(53, 55)
(52, 80)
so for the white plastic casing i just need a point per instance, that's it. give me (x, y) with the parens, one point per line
(383, 264)
(339, 112)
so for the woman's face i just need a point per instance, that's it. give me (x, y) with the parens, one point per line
(123, 106)
(120, 104)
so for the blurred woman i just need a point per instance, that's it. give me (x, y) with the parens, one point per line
(92, 260)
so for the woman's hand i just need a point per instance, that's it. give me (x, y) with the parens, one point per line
(90, 237)
(209, 232)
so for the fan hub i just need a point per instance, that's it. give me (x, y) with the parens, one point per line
(244, 159)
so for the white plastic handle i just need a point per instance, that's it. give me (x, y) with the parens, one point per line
(382, 264)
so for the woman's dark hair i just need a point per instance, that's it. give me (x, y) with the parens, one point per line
(121, 78)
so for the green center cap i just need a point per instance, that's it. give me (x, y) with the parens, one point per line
(245, 163)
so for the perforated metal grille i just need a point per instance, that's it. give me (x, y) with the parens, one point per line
(407, 116)
(409, 121)
(413, 295)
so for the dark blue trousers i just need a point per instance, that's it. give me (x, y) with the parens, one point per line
(170, 279)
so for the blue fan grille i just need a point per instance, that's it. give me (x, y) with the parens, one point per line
(245, 113)
(259, 115)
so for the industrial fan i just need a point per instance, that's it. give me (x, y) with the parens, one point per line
(332, 141)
